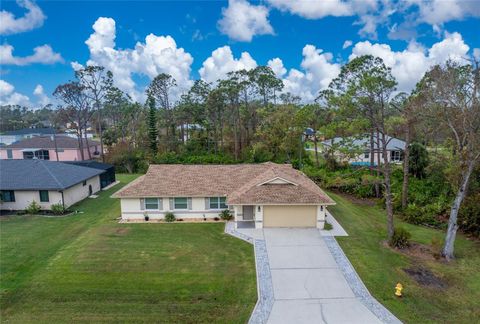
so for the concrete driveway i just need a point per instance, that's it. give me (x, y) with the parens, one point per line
(308, 285)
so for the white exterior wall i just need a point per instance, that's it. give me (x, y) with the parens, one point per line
(23, 198)
(321, 211)
(132, 209)
(258, 216)
(79, 192)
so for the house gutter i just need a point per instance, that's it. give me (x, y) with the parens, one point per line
(63, 200)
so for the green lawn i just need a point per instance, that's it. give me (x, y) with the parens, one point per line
(381, 268)
(89, 268)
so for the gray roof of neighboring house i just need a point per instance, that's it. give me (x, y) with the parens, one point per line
(26, 131)
(393, 143)
(47, 142)
(42, 175)
(91, 164)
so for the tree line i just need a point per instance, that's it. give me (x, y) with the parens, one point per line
(247, 116)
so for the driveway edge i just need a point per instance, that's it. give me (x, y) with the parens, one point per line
(264, 304)
(356, 284)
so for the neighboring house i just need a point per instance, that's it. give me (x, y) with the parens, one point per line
(10, 137)
(260, 195)
(46, 182)
(358, 150)
(106, 178)
(43, 148)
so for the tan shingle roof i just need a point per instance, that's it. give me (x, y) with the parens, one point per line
(240, 183)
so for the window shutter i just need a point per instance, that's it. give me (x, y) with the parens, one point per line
(189, 203)
(160, 203)
(207, 203)
(142, 204)
(172, 206)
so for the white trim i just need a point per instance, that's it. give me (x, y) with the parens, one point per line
(277, 178)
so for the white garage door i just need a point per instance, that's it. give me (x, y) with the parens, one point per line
(289, 216)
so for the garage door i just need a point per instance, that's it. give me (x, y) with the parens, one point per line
(289, 216)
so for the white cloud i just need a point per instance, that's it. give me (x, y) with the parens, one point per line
(158, 54)
(476, 53)
(222, 61)
(347, 44)
(32, 19)
(41, 54)
(242, 20)
(373, 13)
(277, 67)
(409, 66)
(8, 96)
(318, 71)
(42, 98)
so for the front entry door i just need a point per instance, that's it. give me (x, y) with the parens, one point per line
(247, 212)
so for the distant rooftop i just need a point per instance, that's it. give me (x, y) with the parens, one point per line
(393, 143)
(27, 131)
(47, 142)
(42, 175)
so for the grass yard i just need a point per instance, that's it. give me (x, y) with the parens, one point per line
(381, 268)
(89, 268)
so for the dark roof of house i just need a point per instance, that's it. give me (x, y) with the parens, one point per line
(26, 131)
(91, 164)
(42, 175)
(47, 142)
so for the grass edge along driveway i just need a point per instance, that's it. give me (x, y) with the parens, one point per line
(381, 267)
(89, 268)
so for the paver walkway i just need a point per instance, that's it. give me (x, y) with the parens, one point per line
(308, 285)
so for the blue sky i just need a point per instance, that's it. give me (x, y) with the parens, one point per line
(409, 39)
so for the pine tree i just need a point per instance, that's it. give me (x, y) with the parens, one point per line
(152, 126)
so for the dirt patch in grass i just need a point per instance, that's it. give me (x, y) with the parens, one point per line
(425, 277)
(122, 230)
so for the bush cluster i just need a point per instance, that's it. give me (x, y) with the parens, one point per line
(400, 239)
(170, 217)
(226, 214)
(33, 208)
(57, 209)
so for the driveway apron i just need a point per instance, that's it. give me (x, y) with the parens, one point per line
(308, 285)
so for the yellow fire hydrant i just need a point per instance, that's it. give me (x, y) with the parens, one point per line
(398, 290)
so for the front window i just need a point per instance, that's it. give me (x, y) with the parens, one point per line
(44, 196)
(180, 203)
(41, 155)
(9, 154)
(151, 203)
(7, 195)
(396, 155)
(366, 155)
(28, 155)
(217, 203)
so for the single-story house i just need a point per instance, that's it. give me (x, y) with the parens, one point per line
(46, 182)
(43, 148)
(260, 195)
(106, 178)
(358, 149)
(10, 137)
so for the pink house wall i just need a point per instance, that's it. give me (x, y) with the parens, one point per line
(66, 155)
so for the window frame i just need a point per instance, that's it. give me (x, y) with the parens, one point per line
(219, 202)
(145, 203)
(396, 156)
(366, 155)
(40, 194)
(11, 195)
(175, 203)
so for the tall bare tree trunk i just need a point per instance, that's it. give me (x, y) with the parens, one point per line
(315, 142)
(452, 220)
(80, 143)
(88, 146)
(388, 188)
(372, 162)
(406, 157)
(55, 143)
(100, 133)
